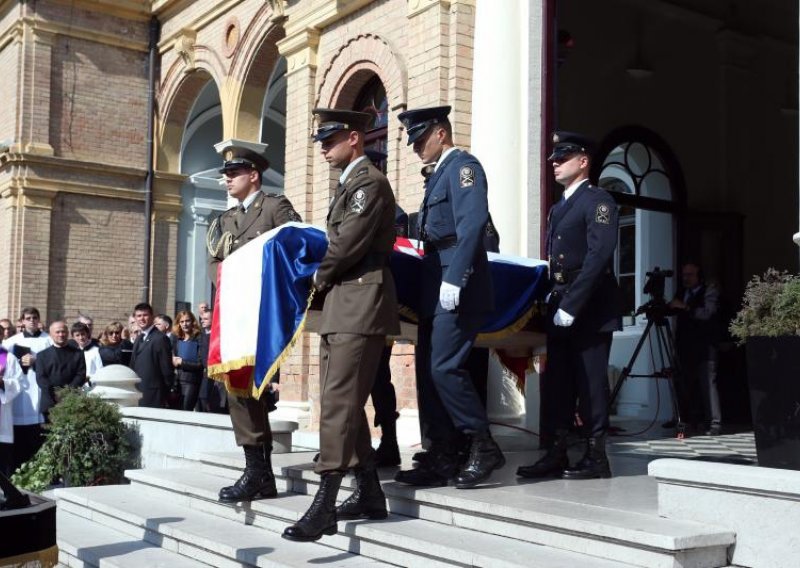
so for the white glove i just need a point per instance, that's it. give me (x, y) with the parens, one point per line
(563, 319)
(448, 296)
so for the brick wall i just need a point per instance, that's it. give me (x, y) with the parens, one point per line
(99, 103)
(96, 250)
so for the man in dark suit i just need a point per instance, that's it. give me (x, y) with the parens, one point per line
(255, 214)
(455, 300)
(360, 310)
(60, 365)
(584, 309)
(697, 333)
(151, 359)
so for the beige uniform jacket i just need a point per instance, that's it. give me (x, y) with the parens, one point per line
(362, 297)
(265, 213)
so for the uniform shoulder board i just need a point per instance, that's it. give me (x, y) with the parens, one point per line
(361, 172)
(277, 195)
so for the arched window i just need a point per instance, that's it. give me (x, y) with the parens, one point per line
(372, 99)
(645, 180)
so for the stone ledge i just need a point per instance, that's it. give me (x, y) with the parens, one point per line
(758, 504)
(172, 438)
(202, 419)
(760, 481)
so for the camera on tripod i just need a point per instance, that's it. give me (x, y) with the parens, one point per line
(657, 308)
(655, 283)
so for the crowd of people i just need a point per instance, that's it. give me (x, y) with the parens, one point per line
(37, 359)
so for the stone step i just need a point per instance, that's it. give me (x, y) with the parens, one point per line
(615, 518)
(399, 539)
(649, 541)
(193, 537)
(82, 543)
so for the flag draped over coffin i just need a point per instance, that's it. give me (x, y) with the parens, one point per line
(263, 294)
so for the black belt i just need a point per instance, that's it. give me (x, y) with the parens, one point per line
(444, 244)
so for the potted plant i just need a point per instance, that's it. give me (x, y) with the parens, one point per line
(769, 326)
(86, 443)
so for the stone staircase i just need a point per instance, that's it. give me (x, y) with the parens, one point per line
(171, 517)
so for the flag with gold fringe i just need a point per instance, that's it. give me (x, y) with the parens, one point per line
(263, 291)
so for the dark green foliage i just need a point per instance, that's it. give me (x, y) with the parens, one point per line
(86, 443)
(770, 308)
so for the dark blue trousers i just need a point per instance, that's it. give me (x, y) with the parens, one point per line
(577, 363)
(449, 405)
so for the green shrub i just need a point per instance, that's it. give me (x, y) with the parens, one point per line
(86, 443)
(770, 308)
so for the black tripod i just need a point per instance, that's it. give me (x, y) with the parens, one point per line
(656, 312)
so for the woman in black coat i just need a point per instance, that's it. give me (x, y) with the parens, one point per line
(186, 357)
(114, 350)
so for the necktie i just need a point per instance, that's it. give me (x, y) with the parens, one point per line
(239, 215)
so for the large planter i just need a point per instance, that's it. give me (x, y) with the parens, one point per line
(773, 375)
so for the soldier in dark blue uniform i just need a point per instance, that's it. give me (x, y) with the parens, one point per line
(455, 300)
(584, 310)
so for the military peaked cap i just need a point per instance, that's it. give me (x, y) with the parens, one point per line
(240, 154)
(566, 143)
(417, 121)
(332, 120)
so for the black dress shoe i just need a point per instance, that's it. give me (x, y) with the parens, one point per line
(594, 463)
(422, 476)
(320, 518)
(485, 456)
(551, 464)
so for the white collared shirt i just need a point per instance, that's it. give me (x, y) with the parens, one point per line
(573, 188)
(249, 199)
(443, 156)
(350, 167)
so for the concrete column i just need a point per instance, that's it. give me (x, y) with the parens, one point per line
(500, 141)
(499, 115)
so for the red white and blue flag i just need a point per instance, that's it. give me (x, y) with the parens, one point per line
(264, 291)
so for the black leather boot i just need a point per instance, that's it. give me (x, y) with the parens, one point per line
(367, 501)
(594, 463)
(440, 466)
(320, 518)
(388, 452)
(484, 457)
(553, 463)
(257, 481)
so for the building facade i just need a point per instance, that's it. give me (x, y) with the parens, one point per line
(695, 109)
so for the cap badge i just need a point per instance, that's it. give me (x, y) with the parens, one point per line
(228, 155)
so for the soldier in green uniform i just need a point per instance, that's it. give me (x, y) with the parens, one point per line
(256, 213)
(360, 310)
